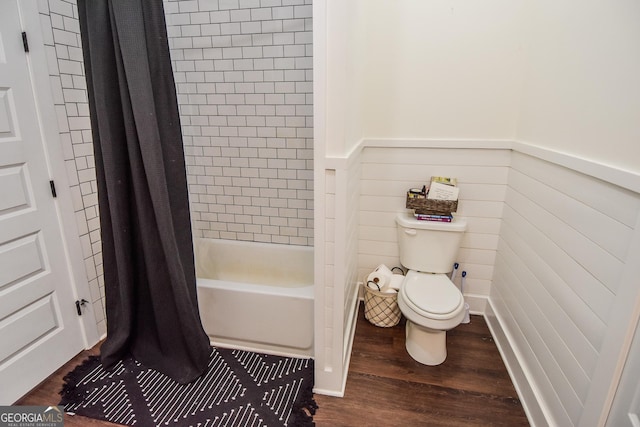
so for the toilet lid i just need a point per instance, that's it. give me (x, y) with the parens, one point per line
(432, 293)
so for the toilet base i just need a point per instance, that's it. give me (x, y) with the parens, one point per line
(427, 346)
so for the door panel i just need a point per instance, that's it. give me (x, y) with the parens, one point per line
(14, 195)
(27, 325)
(6, 121)
(23, 258)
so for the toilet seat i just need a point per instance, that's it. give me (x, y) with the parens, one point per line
(431, 295)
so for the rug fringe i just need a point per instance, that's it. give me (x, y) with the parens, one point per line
(69, 387)
(303, 412)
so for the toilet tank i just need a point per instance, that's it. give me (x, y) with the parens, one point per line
(429, 246)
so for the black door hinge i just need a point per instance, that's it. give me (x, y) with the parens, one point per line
(53, 188)
(79, 304)
(25, 42)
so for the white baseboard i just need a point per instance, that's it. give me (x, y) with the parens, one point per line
(326, 392)
(353, 320)
(477, 303)
(518, 373)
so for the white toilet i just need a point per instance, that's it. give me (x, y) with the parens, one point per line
(428, 299)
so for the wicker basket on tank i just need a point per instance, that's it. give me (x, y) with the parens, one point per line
(426, 206)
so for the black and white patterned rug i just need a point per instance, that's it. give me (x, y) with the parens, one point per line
(239, 388)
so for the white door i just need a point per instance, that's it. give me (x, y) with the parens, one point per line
(39, 326)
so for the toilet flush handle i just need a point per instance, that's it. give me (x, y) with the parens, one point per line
(410, 231)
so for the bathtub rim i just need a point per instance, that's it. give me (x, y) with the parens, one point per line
(305, 291)
(296, 271)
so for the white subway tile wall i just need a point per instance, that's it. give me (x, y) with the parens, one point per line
(243, 71)
(61, 33)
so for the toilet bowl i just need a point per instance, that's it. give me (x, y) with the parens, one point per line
(432, 305)
(428, 299)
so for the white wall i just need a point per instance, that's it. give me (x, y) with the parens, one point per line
(582, 80)
(394, 69)
(561, 290)
(442, 69)
(344, 75)
(337, 37)
(560, 75)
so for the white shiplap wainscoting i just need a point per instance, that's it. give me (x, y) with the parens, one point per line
(336, 301)
(559, 306)
(351, 190)
(387, 174)
(551, 252)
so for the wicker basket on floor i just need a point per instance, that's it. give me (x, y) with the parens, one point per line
(380, 308)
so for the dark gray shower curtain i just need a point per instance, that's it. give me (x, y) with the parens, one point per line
(147, 251)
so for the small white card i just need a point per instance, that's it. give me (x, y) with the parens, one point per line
(439, 191)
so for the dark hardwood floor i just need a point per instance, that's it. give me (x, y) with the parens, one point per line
(386, 387)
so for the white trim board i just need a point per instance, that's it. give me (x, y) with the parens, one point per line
(629, 180)
(536, 414)
(623, 178)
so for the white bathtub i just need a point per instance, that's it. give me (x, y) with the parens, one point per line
(256, 296)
